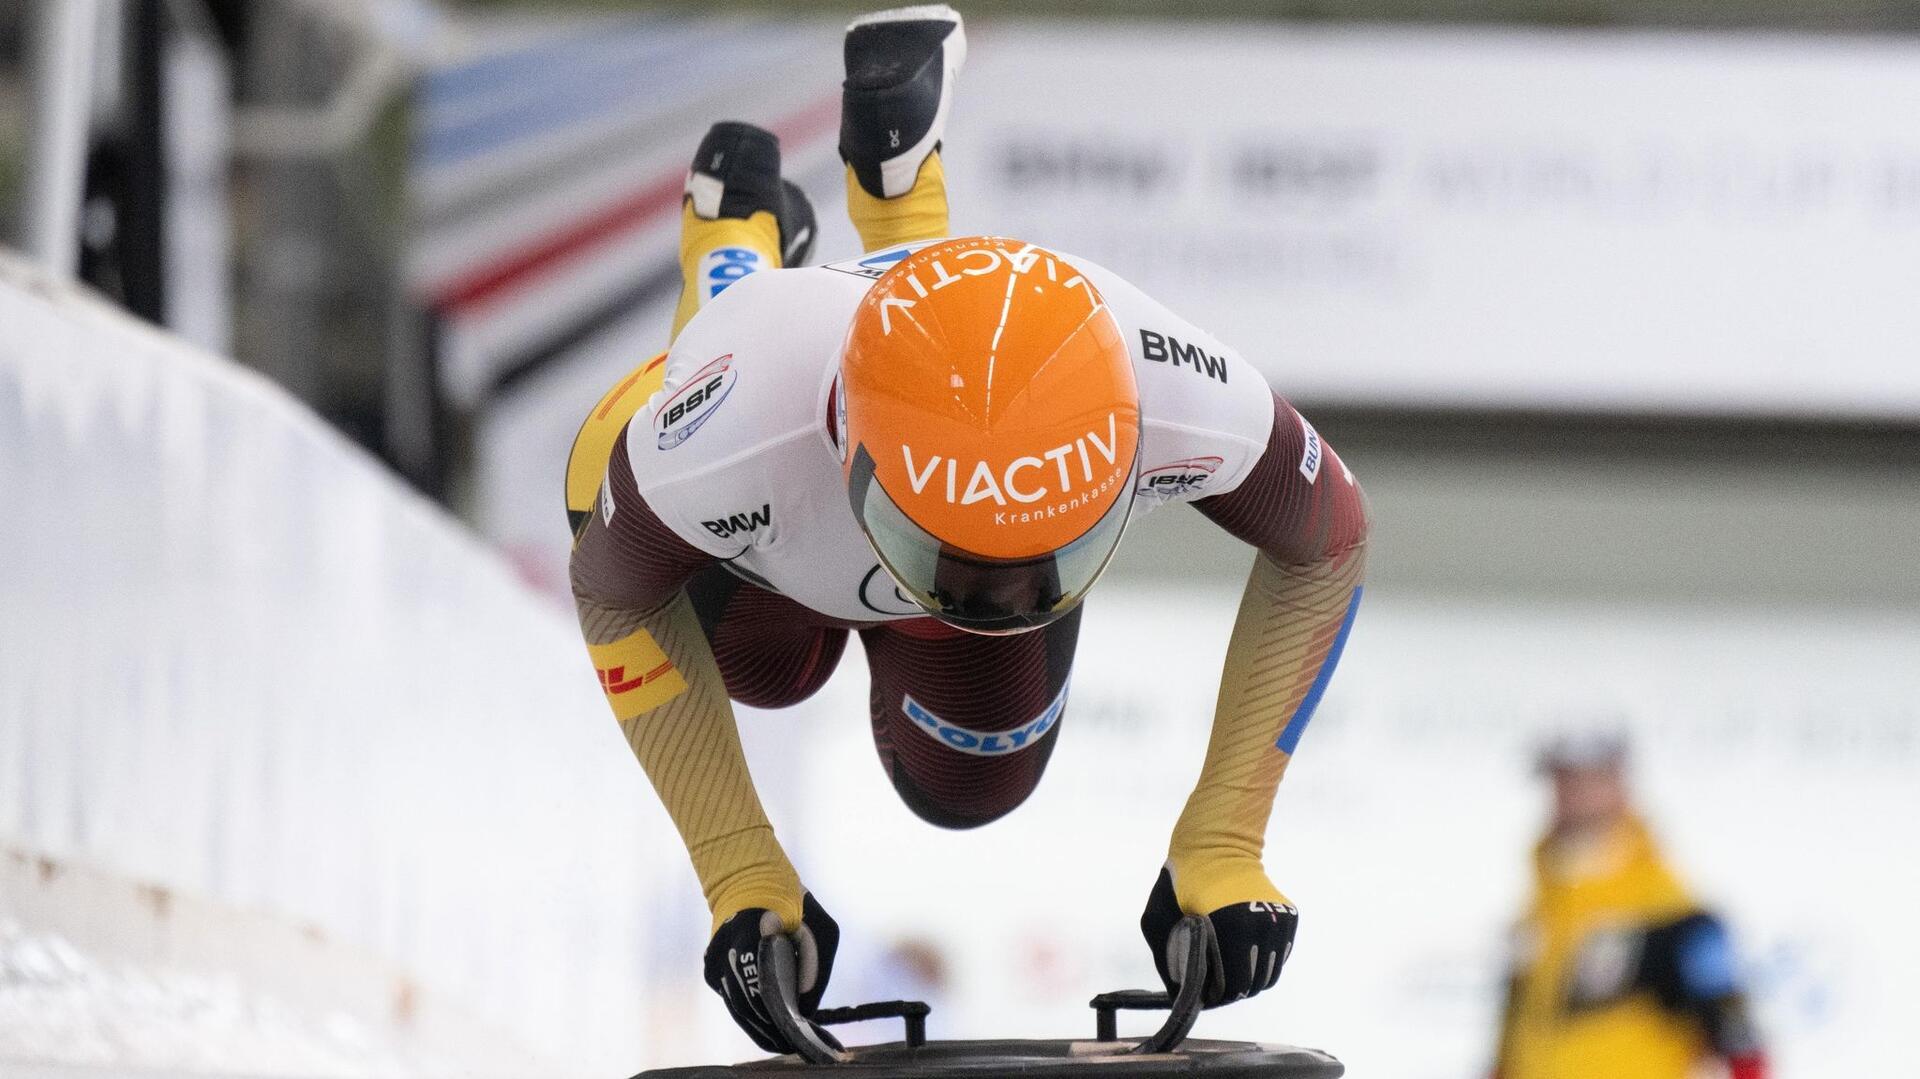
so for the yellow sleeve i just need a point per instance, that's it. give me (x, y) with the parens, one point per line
(1286, 641)
(657, 669)
(659, 676)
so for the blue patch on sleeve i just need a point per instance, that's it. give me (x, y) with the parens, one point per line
(1706, 961)
(1297, 726)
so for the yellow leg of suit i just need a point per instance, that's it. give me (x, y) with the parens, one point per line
(920, 214)
(700, 237)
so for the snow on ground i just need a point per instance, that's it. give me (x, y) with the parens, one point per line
(61, 1005)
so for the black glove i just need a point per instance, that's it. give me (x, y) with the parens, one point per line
(1251, 942)
(733, 966)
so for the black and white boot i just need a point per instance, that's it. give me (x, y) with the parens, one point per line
(901, 66)
(736, 173)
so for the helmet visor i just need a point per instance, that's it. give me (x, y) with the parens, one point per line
(976, 592)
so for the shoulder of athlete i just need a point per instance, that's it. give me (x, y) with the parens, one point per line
(742, 408)
(1206, 412)
(751, 368)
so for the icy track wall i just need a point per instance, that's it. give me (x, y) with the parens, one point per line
(238, 659)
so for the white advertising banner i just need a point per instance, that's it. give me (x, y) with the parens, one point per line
(1481, 219)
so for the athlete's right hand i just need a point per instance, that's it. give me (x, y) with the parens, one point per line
(733, 966)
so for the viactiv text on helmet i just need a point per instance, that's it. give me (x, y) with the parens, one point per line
(991, 387)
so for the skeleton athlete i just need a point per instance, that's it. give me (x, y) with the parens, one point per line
(937, 446)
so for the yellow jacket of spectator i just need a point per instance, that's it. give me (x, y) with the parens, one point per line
(1617, 972)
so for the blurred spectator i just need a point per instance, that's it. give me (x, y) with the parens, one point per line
(1617, 971)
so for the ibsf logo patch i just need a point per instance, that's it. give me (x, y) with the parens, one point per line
(1179, 478)
(690, 406)
(723, 266)
(986, 743)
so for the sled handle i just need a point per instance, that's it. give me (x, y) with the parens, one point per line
(780, 989)
(1183, 1008)
(912, 1013)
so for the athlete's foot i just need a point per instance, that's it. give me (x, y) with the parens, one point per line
(901, 66)
(736, 174)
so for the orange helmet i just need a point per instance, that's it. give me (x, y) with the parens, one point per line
(990, 428)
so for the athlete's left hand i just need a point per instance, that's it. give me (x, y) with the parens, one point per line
(1252, 938)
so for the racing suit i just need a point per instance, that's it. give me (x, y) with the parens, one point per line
(716, 559)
